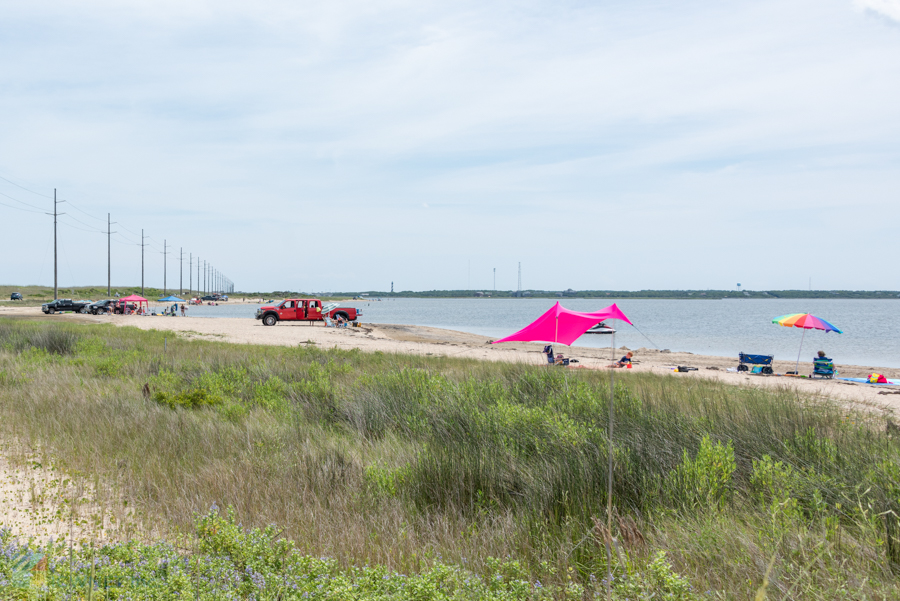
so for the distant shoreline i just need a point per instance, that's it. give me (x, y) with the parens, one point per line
(600, 294)
(37, 294)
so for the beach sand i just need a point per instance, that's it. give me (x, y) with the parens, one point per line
(40, 502)
(421, 340)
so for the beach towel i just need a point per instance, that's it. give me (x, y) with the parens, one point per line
(887, 382)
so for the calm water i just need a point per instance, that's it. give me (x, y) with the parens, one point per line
(715, 327)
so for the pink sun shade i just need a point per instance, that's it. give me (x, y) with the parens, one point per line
(562, 326)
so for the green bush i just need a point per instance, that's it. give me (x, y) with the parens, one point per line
(704, 481)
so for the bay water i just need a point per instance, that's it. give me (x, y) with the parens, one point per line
(871, 328)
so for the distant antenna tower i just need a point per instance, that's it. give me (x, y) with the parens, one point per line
(519, 291)
(392, 287)
(495, 279)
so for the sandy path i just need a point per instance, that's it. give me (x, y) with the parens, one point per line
(38, 501)
(420, 340)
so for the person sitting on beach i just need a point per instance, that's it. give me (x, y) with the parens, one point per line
(821, 357)
(548, 350)
(624, 361)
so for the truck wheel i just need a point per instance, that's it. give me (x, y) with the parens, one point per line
(51, 311)
(270, 320)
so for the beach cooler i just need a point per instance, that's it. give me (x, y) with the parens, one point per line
(763, 362)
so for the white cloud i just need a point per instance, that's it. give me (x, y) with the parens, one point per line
(274, 122)
(886, 8)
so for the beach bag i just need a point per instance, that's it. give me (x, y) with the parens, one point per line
(877, 379)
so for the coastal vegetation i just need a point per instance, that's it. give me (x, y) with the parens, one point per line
(278, 472)
(38, 294)
(618, 294)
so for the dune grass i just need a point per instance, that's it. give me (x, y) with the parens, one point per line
(411, 462)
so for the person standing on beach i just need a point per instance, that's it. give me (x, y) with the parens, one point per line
(183, 309)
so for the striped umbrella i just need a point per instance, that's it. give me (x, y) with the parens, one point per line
(807, 321)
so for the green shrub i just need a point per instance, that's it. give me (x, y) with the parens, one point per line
(704, 481)
(386, 481)
(187, 399)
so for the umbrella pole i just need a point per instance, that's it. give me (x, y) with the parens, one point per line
(609, 473)
(797, 367)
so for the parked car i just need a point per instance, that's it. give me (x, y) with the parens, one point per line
(63, 304)
(15, 296)
(104, 306)
(210, 297)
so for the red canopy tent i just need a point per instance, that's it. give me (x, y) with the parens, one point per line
(134, 298)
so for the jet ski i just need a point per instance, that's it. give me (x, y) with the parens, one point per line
(601, 328)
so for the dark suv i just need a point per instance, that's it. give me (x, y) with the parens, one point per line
(15, 296)
(63, 304)
(102, 306)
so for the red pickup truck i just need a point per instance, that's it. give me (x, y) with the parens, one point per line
(304, 309)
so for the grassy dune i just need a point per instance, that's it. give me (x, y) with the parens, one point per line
(413, 464)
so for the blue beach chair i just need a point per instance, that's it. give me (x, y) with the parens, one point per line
(745, 360)
(823, 367)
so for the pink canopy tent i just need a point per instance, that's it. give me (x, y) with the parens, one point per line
(134, 298)
(562, 326)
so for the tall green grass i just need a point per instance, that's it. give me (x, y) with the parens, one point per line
(396, 460)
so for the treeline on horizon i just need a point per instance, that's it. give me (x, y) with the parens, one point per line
(95, 292)
(676, 294)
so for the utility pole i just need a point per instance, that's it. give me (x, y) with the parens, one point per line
(165, 254)
(109, 234)
(55, 272)
(181, 271)
(143, 237)
(55, 283)
(191, 274)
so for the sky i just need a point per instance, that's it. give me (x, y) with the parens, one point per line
(345, 145)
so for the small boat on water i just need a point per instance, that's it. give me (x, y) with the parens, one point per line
(601, 328)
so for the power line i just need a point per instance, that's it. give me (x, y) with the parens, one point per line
(128, 230)
(19, 208)
(27, 204)
(212, 278)
(75, 227)
(85, 224)
(24, 188)
(85, 212)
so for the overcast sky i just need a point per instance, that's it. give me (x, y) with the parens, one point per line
(345, 145)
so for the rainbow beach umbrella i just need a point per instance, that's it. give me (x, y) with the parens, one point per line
(807, 321)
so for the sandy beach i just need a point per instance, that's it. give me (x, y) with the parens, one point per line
(420, 340)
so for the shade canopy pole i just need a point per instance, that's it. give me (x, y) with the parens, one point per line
(797, 367)
(609, 473)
